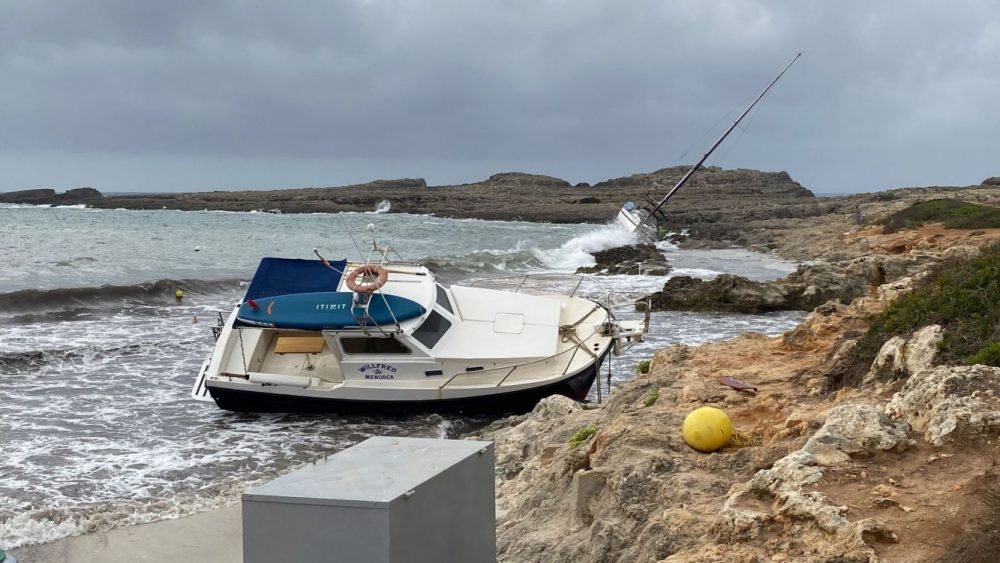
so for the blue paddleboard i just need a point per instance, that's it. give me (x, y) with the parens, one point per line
(330, 310)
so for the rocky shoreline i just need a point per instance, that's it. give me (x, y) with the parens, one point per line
(897, 469)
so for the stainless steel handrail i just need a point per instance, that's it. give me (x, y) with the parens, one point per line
(515, 366)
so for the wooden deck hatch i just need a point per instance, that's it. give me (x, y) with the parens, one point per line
(298, 344)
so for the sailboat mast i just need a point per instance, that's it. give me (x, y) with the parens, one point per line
(683, 180)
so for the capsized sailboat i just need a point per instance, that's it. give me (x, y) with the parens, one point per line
(648, 223)
(382, 335)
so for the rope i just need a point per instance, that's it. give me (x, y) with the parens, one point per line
(579, 343)
(568, 334)
(344, 224)
(741, 439)
(243, 353)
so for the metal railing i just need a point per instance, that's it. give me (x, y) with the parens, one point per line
(521, 283)
(512, 368)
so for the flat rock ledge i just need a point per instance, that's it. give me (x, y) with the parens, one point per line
(638, 259)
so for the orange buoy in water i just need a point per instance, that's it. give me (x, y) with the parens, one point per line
(707, 429)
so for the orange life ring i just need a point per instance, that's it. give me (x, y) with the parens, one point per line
(368, 271)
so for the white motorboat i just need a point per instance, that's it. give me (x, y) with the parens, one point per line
(383, 335)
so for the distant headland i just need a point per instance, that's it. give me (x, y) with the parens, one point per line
(718, 206)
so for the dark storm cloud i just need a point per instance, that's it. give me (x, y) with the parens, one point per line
(126, 95)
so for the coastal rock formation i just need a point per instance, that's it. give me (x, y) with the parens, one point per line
(903, 357)
(644, 259)
(751, 183)
(805, 289)
(725, 293)
(520, 179)
(856, 430)
(403, 183)
(79, 195)
(33, 197)
(819, 476)
(735, 195)
(828, 235)
(776, 497)
(949, 403)
(50, 197)
(809, 286)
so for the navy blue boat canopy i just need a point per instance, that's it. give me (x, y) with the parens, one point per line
(287, 276)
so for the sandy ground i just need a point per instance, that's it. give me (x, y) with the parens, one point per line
(209, 537)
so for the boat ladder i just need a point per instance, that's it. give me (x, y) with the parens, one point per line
(360, 304)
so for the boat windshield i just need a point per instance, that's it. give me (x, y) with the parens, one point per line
(432, 330)
(442, 299)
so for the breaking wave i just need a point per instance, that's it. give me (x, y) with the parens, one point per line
(577, 252)
(573, 254)
(13, 362)
(484, 261)
(383, 206)
(75, 299)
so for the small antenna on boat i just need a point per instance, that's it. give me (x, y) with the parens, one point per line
(371, 229)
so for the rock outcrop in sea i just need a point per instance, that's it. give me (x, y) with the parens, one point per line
(638, 259)
(50, 197)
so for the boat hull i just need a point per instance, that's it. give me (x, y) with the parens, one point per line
(576, 386)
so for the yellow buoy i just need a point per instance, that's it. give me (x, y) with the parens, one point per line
(707, 429)
(179, 294)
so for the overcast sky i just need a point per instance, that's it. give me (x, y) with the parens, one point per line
(203, 94)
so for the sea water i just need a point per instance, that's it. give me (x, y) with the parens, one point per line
(97, 357)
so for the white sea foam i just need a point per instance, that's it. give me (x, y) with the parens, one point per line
(28, 529)
(700, 273)
(577, 252)
(23, 206)
(383, 206)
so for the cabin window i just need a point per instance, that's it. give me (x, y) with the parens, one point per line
(442, 299)
(432, 330)
(359, 345)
